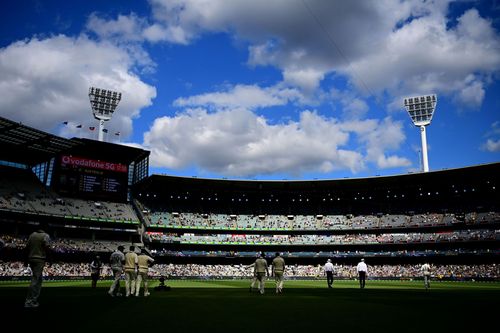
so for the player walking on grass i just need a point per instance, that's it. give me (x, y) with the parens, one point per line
(143, 261)
(261, 271)
(426, 271)
(36, 248)
(116, 262)
(130, 271)
(278, 271)
(254, 277)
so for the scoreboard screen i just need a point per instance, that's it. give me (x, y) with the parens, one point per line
(90, 179)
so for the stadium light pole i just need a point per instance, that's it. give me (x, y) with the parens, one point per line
(103, 103)
(421, 109)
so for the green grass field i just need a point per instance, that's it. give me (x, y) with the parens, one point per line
(228, 306)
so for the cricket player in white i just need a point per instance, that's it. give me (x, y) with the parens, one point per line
(278, 271)
(261, 271)
(426, 271)
(130, 271)
(116, 262)
(254, 277)
(143, 261)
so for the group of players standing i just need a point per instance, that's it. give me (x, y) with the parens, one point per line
(135, 266)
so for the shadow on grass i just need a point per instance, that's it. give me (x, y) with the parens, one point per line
(71, 309)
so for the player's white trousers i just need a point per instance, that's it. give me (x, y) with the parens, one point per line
(141, 276)
(117, 273)
(278, 277)
(130, 276)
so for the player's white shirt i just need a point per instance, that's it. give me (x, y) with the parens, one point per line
(362, 267)
(116, 260)
(426, 269)
(328, 267)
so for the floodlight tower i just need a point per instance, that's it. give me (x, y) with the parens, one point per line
(421, 109)
(103, 103)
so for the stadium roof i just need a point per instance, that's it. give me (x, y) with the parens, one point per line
(161, 183)
(475, 187)
(108, 151)
(26, 145)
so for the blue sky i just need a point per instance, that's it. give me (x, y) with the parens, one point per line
(281, 89)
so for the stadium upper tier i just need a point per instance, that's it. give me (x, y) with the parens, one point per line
(167, 220)
(22, 192)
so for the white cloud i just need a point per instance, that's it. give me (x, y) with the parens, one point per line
(155, 33)
(308, 79)
(242, 96)
(492, 145)
(236, 142)
(123, 28)
(472, 95)
(383, 46)
(44, 82)
(132, 28)
(379, 137)
(353, 107)
(425, 56)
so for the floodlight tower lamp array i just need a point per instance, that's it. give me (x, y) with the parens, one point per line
(103, 103)
(421, 109)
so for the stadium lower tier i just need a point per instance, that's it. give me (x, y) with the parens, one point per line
(81, 250)
(492, 272)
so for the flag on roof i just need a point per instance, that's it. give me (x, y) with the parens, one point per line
(91, 128)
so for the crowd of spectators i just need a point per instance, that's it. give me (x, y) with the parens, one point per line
(453, 236)
(17, 269)
(328, 254)
(66, 245)
(316, 222)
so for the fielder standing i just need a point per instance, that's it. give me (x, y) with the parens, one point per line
(426, 271)
(130, 271)
(143, 261)
(116, 262)
(261, 271)
(37, 248)
(278, 271)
